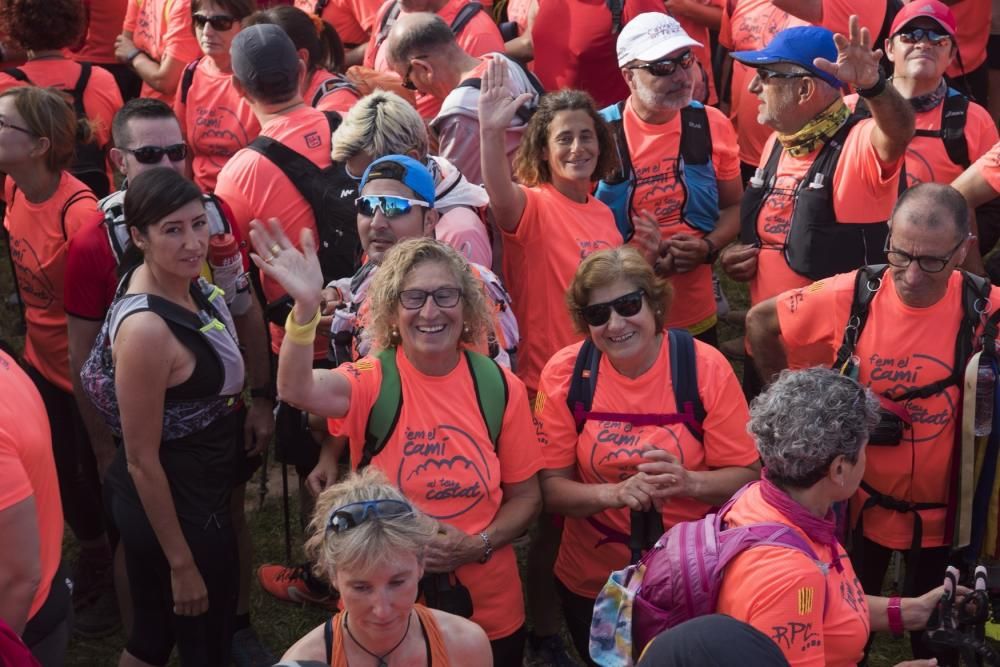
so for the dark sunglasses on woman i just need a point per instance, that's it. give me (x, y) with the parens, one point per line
(353, 515)
(219, 22)
(627, 305)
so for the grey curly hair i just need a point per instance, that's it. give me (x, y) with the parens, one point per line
(806, 419)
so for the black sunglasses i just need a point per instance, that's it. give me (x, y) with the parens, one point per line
(766, 75)
(627, 305)
(927, 263)
(407, 83)
(153, 154)
(914, 35)
(353, 515)
(444, 297)
(668, 66)
(219, 22)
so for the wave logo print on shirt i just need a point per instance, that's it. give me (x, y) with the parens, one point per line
(905, 373)
(35, 287)
(618, 446)
(662, 191)
(219, 134)
(446, 469)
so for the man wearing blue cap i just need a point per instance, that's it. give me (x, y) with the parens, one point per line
(827, 180)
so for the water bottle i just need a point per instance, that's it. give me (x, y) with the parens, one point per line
(226, 262)
(985, 385)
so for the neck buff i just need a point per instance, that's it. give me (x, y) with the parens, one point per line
(821, 531)
(922, 103)
(817, 131)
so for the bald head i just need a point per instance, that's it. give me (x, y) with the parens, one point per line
(934, 207)
(420, 34)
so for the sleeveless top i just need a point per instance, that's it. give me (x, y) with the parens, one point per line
(437, 653)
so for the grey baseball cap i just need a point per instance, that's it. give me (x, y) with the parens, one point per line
(265, 61)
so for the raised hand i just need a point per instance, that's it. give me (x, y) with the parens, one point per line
(497, 105)
(856, 64)
(297, 272)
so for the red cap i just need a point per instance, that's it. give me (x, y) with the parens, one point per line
(932, 9)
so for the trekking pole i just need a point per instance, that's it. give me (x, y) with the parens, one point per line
(285, 513)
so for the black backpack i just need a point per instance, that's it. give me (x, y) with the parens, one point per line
(89, 164)
(330, 192)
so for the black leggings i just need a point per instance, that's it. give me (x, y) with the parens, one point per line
(202, 641)
(578, 612)
(509, 650)
(76, 467)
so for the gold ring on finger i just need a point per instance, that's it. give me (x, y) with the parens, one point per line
(275, 249)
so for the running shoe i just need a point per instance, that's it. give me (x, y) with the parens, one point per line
(296, 584)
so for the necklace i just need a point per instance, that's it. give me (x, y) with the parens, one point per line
(380, 658)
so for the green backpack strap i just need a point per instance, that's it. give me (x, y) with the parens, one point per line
(491, 393)
(385, 413)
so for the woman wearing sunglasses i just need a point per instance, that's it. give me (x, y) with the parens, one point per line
(371, 544)
(215, 119)
(459, 446)
(167, 375)
(608, 460)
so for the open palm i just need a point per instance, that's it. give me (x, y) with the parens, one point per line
(298, 272)
(856, 64)
(496, 104)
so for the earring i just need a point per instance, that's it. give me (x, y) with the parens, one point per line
(394, 337)
(466, 330)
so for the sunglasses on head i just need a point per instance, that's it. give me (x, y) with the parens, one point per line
(444, 297)
(627, 305)
(153, 154)
(668, 66)
(219, 22)
(914, 35)
(353, 515)
(390, 205)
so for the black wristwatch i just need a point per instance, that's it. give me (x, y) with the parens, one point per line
(876, 89)
(713, 252)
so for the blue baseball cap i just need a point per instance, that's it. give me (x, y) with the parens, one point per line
(404, 169)
(798, 46)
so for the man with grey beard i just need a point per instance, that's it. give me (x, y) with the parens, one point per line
(679, 166)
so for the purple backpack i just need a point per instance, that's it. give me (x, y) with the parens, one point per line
(678, 579)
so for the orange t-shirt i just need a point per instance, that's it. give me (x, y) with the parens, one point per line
(39, 237)
(216, 122)
(748, 25)
(441, 457)
(540, 259)
(255, 187)
(864, 190)
(900, 348)
(340, 100)
(609, 451)
(28, 469)
(973, 20)
(104, 24)
(988, 166)
(479, 37)
(352, 19)
(816, 620)
(703, 53)
(163, 29)
(927, 160)
(655, 152)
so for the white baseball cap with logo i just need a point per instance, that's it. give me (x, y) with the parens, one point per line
(651, 36)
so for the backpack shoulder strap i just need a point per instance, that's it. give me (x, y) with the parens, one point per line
(318, 11)
(614, 115)
(385, 26)
(328, 626)
(684, 378)
(385, 412)
(491, 393)
(188, 78)
(696, 134)
(79, 195)
(864, 280)
(294, 165)
(17, 73)
(465, 14)
(583, 383)
(331, 85)
(333, 119)
(954, 116)
(617, 8)
(81, 86)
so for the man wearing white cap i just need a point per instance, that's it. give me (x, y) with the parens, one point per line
(679, 165)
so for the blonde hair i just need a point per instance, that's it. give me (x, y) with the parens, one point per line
(399, 261)
(47, 113)
(371, 543)
(605, 267)
(380, 124)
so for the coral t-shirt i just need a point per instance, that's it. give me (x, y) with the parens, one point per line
(441, 457)
(864, 191)
(39, 236)
(973, 20)
(575, 46)
(927, 160)
(352, 19)
(255, 187)
(607, 452)
(479, 37)
(749, 25)
(104, 24)
(816, 620)
(28, 469)
(540, 259)
(340, 100)
(655, 154)
(163, 29)
(900, 348)
(988, 166)
(216, 121)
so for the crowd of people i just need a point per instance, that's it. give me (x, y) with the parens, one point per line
(458, 264)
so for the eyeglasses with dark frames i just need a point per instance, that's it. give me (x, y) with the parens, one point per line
(927, 263)
(444, 297)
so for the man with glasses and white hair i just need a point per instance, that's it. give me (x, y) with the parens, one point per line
(679, 165)
(906, 330)
(827, 179)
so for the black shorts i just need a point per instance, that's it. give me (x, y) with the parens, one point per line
(993, 52)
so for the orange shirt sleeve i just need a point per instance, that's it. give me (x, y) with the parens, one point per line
(555, 426)
(980, 131)
(131, 16)
(365, 378)
(727, 442)
(989, 166)
(812, 319)
(16, 484)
